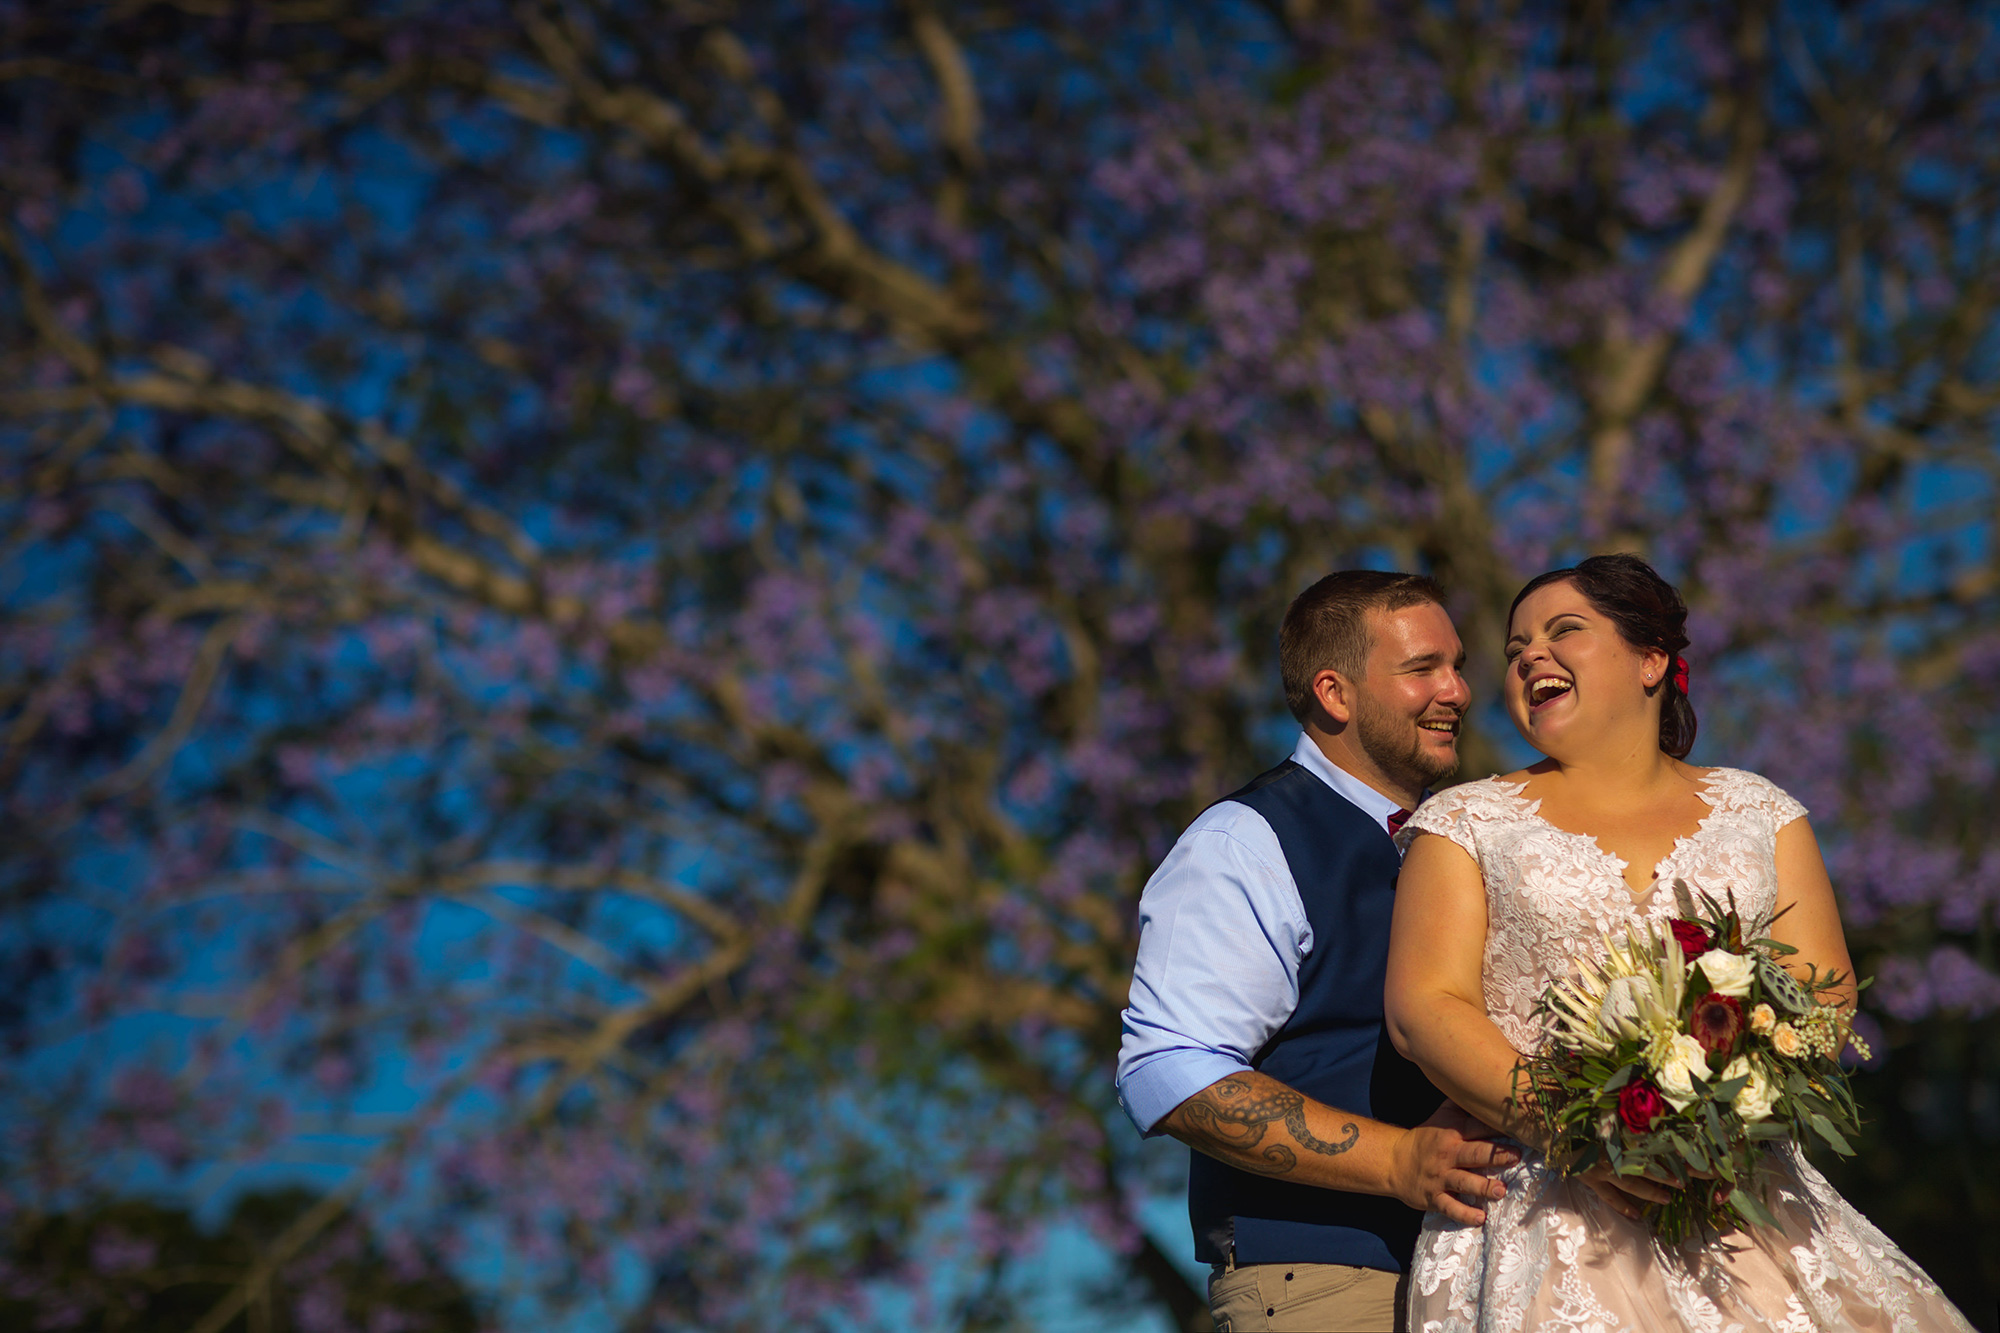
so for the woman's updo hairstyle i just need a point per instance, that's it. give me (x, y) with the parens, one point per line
(1649, 613)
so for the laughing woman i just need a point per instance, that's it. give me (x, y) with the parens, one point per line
(1508, 883)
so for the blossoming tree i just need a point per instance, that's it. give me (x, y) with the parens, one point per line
(615, 601)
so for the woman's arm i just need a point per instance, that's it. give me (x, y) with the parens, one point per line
(1435, 1004)
(1812, 925)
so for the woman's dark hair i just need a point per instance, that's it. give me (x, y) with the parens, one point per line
(1649, 613)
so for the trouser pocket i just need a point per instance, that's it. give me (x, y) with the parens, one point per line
(1302, 1298)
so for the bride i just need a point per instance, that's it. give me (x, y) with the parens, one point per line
(1507, 882)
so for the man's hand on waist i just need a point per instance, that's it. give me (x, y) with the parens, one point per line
(1439, 1163)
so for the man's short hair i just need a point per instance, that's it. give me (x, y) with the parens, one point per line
(1326, 628)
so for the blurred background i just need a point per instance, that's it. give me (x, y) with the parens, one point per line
(604, 606)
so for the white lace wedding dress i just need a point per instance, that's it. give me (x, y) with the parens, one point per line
(1552, 1257)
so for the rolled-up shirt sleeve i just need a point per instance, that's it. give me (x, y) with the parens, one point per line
(1221, 935)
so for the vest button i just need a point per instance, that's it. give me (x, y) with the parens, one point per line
(1288, 1277)
(1270, 1310)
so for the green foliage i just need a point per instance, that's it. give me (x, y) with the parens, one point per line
(1714, 1152)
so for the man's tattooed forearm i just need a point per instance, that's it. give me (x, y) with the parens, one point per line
(1235, 1114)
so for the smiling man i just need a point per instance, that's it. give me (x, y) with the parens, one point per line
(1254, 1033)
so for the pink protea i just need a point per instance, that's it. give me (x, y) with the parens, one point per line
(1717, 1021)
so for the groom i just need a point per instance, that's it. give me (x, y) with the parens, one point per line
(1254, 1033)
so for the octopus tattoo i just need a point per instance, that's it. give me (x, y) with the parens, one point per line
(1238, 1111)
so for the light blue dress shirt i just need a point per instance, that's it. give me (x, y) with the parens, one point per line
(1222, 931)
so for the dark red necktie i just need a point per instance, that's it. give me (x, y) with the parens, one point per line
(1396, 822)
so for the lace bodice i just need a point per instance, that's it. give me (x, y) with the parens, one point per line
(1552, 896)
(1552, 1256)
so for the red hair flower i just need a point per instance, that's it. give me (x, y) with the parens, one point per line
(1680, 673)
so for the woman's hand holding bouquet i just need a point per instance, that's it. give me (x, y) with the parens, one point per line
(1685, 1057)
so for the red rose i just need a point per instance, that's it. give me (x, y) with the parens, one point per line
(1693, 938)
(1639, 1105)
(1717, 1021)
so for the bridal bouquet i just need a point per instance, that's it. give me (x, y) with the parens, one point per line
(1686, 1056)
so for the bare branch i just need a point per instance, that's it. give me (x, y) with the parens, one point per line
(707, 915)
(958, 112)
(302, 1232)
(552, 932)
(839, 260)
(82, 357)
(200, 683)
(62, 71)
(1632, 366)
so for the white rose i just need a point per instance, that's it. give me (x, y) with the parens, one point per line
(1685, 1061)
(1727, 973)
(1756, 1098)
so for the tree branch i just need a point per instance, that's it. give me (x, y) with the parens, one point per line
(838, 259)
(200, 683)
(958, 112)
(1631, 367)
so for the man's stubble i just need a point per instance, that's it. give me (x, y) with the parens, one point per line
(1394, 741)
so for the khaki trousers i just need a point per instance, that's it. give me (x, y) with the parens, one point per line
(1305, 1298)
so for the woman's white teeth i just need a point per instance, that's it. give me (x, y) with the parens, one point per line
(1547, 688)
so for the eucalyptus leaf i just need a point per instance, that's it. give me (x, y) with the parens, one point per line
(1690, 1153)
(1715, 1134)
(1824, 1128)
(1751, 1208)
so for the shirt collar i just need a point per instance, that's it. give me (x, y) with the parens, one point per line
(1370, 802)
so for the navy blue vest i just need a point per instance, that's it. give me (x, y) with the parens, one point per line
(1333, 1049)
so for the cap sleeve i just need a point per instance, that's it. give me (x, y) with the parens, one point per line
(1752, 791)
(1784, 807)
(1447, 814)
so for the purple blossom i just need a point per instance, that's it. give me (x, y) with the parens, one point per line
(1958, 983)
(856, 668)
(113, 1252)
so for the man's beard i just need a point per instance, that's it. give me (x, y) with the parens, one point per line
(1396, 743)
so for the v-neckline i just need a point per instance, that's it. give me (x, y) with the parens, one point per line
(1639, 902)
